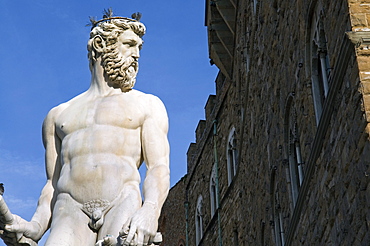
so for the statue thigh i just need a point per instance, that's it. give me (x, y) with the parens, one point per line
(122, 210)
(69, 225)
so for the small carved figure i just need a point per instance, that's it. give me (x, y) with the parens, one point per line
(94, 145)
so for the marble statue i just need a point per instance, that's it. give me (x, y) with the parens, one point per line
(94, 145)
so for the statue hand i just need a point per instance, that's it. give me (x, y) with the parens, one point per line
(13, 236)
(141, 227)
(22, 227)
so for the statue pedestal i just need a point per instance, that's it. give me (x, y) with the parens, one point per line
(109, 240)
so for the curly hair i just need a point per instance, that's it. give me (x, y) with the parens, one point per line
(109, 31)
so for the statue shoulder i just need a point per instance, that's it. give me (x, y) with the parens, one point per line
(155, 108)
(147, 101)
(147, 98)
(54, 112)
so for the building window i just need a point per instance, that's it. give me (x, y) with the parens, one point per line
(213, 191)
(255, 3)
(236, 236)
(232, 155)
(293, 149)
(278, 222)
(295, 161)
(199, 220)
(277, 215)
(246, 59)
(181, 242)
(319, 62)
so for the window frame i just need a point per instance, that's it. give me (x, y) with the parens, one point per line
(293, 153)
(213, 191)
(319, 61)
(199, 220)
(231, 155)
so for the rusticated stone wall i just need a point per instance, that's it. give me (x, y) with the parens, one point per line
(172, 221)
(268, 100)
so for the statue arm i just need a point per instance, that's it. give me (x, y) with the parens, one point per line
(41, 219)
(52, 145)
(144, 223)
(156, 156)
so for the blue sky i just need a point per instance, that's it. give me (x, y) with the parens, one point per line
(43, 62)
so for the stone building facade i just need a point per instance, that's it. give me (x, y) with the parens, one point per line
(172, 221)
(283, 155)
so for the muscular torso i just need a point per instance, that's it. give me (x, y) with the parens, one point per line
(101, 145)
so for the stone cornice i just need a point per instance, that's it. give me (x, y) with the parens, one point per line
(359, 38)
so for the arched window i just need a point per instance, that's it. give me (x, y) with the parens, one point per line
(295, 161)
(246, 59)
(293, 148)
(199, 220)
(213, 191)
(236, 236)
(255, 4)
(181, 242)
(277, 214)
(278, 222)
(319, 61)
(232, 155)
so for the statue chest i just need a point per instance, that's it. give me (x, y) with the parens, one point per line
(112, 112)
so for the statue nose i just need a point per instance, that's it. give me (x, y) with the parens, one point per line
(136, 53)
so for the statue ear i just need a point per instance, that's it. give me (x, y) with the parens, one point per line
(98, 43)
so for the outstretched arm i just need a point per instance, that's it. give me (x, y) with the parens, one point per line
(155, 146)
(39, 223)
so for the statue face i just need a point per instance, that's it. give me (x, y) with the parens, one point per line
(129, 44)
(121, 64)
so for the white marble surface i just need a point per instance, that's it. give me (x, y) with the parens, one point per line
(94, 145)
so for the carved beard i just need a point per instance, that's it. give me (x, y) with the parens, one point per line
(121, 72)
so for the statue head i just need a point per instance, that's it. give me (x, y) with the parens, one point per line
(106, 37)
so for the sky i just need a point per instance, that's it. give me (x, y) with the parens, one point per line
(43, 62)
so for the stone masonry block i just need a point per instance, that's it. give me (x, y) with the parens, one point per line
(365, 87)
(367, 129)
(200, 130)
(363, 63)
(367, 103)
(360, 8)
(368, 17)
(359, 20)
(210, 105)
(190, 155)
(363, 50)
(365, 76)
